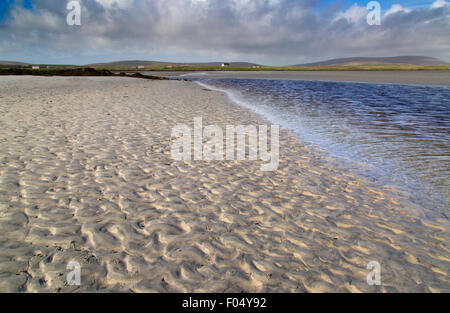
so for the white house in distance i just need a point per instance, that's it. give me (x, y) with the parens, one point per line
(140, 67)
(35, 67)
(225, 64)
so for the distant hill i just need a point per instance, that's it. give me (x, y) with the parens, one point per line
(401, 62)
(131, 63)
(411, 60)
(13, 63)
(158, 63)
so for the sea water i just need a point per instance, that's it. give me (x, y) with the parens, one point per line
(396, 134)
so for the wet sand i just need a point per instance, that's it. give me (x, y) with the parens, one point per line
(395, 77)
(86, 174)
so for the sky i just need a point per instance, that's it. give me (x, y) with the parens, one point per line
(269, 32)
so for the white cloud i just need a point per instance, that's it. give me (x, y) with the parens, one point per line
(439, 4)
(395, 9)
(42, 20)
(354, 14)
(121, 4)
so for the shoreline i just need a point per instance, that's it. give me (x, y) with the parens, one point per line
(86, 174)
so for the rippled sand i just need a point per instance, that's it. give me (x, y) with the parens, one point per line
(86, 175)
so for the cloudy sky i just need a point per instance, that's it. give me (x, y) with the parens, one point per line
(271, 32)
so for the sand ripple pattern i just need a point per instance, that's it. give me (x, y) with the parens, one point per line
(86, 175)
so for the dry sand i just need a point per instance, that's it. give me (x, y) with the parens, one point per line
(86, 175)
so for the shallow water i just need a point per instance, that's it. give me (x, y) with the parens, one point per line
(398, 134)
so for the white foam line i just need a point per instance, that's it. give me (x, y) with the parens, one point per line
(234, 98)
(270, 116)
(193, 74)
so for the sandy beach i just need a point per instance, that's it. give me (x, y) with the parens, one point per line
(86, 174)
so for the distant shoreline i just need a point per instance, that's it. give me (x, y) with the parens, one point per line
(435, 78)
(413, 77)
(406, 68)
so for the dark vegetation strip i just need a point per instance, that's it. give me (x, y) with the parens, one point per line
(73, 72)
